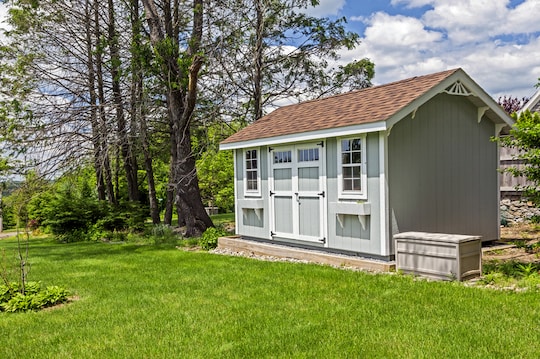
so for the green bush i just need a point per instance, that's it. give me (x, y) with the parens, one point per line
(34, 298)
(209, 239)
(163, 234)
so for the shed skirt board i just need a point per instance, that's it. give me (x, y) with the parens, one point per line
(239, 244)
(297, 192)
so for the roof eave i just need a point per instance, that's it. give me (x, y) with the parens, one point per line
(307, 136)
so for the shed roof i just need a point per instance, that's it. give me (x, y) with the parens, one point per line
(533, 104)
(362, 107)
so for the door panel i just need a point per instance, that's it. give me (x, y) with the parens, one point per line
(283, 214)
(297, 192)
(310, 216)
(283, 179)
(308, 179)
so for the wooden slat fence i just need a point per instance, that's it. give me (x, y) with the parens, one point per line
(509, 182)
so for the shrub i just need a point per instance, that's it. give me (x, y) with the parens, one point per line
(34, 298)
(163, 234)
(209, 239)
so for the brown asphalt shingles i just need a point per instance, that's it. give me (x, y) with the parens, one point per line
(353, 108)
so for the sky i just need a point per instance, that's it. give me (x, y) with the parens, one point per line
(497, 42)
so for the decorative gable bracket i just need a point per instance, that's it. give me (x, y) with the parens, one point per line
(458, 89)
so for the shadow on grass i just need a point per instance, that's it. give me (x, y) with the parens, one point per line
(50, 249)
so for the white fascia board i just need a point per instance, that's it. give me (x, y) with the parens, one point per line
(308, 136)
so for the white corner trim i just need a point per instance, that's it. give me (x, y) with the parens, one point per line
(383, 198)
(236, 215)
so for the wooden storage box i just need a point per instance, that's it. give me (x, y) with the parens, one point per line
(438, 255)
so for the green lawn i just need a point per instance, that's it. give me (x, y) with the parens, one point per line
(146, 301)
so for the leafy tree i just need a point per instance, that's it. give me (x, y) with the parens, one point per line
(216, 179)
(180, 59)
(266, 51)
(525, 138)
(129, 84)
(512, 104)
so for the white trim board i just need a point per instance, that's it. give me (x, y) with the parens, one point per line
(308, 136)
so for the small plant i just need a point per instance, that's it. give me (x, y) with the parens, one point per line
(209, 239)
(12, 299)
(163, 234)
(520, 243)
(526, 270)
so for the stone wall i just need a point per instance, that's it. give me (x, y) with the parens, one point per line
(516, 211)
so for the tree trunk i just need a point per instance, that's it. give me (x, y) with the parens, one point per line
(170, 192)
(1, 207)
(181, 104)
(258, 61)
(138, 111)
(96, 136)
(129, 160)
(102, 124)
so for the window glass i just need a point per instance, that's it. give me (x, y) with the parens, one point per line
(252, 183)
(308, 155)
(351, 162)
(282, 157)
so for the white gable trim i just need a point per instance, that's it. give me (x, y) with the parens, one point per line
(464, 80)
(308, 136)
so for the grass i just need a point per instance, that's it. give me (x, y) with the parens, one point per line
(148, 301)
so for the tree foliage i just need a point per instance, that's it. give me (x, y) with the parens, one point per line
(129, 88)
(525, 138)
(512, 104)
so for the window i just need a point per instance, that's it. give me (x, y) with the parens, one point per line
(282, 157)
(308, 155)
(252, 172)
(352, 176)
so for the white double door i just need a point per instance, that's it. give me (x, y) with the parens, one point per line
(297, 192)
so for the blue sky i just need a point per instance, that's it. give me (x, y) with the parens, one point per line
(497, 42)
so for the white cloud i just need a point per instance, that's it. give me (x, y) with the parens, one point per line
(326, 8)
(399, 31)
(478, 20)
(476, 35)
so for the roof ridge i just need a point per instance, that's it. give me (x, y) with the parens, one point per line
(352, 92)
(369, 105)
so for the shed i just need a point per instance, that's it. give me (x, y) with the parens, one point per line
(348, 172)
(533, 104)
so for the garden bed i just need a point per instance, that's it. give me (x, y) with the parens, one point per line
(519, 242)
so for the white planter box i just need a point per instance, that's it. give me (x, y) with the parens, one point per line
(438, 255)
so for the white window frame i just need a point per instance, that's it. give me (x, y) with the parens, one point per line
(250, 192)
(362, 194)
